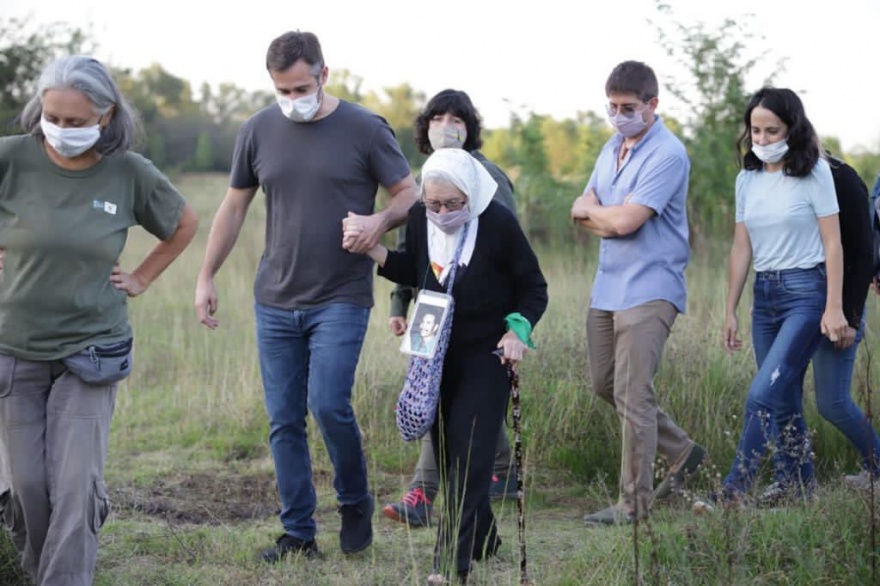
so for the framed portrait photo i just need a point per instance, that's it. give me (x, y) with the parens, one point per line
(425, 324)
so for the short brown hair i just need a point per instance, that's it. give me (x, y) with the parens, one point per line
(292, 46)
(632, 77)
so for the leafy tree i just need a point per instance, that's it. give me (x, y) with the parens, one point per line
(867, 165)
(717, 64)
(399, 105)
(344, 84)
(24, 52)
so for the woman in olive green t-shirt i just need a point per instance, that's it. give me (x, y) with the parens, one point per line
(70, 189)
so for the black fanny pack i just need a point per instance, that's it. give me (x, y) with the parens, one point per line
(102, 365)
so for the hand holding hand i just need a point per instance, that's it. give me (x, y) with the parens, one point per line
(360, 234)
(132, 284)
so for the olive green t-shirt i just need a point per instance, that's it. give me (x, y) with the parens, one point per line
(62, 232)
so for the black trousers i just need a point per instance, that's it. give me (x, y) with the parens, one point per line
(473, 399)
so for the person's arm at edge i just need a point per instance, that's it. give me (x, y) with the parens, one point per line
(531, 285)
(225, 229)
(738, 264)
(833, 323)
(161, 256)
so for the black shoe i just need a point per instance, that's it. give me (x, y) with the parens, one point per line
(356, 533)
(289, 545)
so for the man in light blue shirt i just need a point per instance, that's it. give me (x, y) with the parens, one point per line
(635, 201)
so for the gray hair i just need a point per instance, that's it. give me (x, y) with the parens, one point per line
(439, 177)
(89, 76)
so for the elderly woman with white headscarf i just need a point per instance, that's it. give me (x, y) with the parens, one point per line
(500, 294)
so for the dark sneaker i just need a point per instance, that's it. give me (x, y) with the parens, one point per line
(778, 495)
(414, 510)
(289, 545)
(676, 479)
(612, 515)
(356, 533)
(503, 487)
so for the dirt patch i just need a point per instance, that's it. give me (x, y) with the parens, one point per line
(201, 498)
(228, 497)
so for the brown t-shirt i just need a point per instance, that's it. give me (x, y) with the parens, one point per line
(63, 231)
(313, 174)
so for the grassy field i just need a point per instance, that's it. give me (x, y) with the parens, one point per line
(192, 482)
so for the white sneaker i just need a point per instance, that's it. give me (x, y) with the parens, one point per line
(862, 480)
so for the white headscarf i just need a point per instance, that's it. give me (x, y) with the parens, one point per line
(458, 167)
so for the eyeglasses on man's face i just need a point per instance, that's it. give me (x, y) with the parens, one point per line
(629, 110)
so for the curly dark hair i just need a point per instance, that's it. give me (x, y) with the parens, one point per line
(457, 103)
(803, 142)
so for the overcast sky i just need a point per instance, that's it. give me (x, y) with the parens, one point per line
(546, 56)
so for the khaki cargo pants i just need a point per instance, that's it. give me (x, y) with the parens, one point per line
(53, 443)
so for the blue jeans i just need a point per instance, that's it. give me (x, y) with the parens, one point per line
(832, 377)
(788, 307)
(308, 360)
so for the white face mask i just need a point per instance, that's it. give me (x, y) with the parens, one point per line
(446, 137)
(70, 142)
(301, 109)
(771, 153)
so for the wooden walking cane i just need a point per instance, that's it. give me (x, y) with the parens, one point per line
(518, 463)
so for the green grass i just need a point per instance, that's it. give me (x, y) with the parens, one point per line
(191, 478)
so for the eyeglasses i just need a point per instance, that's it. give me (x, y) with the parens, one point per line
(628, 110)
(451, 205)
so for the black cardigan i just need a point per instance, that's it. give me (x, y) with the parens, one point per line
(856, 237)
(502, 277)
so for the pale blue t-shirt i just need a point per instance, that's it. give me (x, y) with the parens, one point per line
(781, 215)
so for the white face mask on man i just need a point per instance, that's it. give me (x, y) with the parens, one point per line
(300, 109)
(70, 142)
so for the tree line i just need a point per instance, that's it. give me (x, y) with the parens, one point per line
(186, 129)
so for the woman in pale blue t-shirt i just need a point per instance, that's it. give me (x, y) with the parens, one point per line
(787, 226)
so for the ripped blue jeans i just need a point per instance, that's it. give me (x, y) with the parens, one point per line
(788, 307)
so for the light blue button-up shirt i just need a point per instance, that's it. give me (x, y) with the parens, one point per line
(649, 264)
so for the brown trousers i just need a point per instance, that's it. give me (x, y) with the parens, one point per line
(624, 349)
(53, 443)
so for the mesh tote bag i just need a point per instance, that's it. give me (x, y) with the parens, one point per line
(417, 404)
